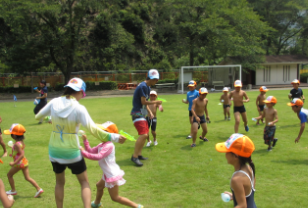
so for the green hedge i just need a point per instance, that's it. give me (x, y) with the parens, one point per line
(20, 89)
(303, 77)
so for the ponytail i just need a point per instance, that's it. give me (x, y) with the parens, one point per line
(244, 160)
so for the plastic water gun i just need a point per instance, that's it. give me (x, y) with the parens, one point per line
(1, 161)
(163, 100)
(35, 88)
(126, 135)
(47, 118)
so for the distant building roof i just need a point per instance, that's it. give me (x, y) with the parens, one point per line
(286, 59)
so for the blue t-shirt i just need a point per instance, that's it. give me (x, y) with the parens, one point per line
(43, 91)
(142, 90)
(191, 95)
(303, 115)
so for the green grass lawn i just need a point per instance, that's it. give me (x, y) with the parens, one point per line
(175, 175)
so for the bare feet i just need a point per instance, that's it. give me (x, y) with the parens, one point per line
(4, 154)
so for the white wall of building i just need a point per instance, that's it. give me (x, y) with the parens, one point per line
(276, 74)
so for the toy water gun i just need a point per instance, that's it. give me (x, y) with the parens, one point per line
(126, 135)
(1, 161)
(163, 100)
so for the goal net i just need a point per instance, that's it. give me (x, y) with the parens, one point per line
(212, 77)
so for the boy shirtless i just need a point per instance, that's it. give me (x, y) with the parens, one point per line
(239, 108)
(270, 115)
(198, 108)
(224, 98)
(153, 122)
(260, 102)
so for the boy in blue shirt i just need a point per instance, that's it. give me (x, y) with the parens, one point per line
(191, 95)
(139, 112)
(297, 107)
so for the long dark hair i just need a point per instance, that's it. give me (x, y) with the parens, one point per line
(244, 160)
(18, 138)
(68, 91)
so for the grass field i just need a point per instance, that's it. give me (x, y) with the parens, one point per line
(175, 175)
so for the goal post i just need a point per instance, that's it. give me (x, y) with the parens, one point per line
(214, 77)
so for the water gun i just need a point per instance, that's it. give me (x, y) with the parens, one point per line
(163, 100)
(1, 161)
(126, 135)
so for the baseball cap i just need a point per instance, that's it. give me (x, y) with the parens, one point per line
(153, 74)
(263, 89)
(77, 84)
(16, 129)
(237, 83)
(225, 89)
(238, 144)
(296, 102)
(203, 90)
(153, 93)
(109, 127)
(270, 99)
(295, 81)
(192, 83)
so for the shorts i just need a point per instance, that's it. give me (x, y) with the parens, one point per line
(22, 164)
(190, 114)
(226, 106)
(202, 119)
(240, 109)
(261, 107)
(152, 123)
(76, 168)
(141, 125)
(269, 133)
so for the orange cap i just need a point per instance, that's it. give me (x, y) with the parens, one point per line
(295, 81)
(237, 83)
(203, 90)
(263, 89)
(270, 99)
(238, 144)
(192, 83)
(16, 129)
(109, 127)
(296, 102)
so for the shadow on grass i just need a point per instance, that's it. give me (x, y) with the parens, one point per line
(187, 147)
(292, 162)
(260, 151)
(289, 126)
(23, 197)
(219, 121)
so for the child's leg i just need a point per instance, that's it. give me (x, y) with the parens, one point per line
(194, 131)
(85, 189)
(10, 177)
(237, 121)
(3, 146)
(204, 129)
(114, 194)
(260, 113)
(100, 185)
(228, 111)
(154, 135)
(244, 117)
(59, 189)
(28, 178)
(225, 112)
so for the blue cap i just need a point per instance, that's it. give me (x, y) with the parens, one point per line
(153, 74)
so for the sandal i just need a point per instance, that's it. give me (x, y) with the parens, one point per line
(93, 205)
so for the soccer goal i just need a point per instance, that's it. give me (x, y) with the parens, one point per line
(212, 77)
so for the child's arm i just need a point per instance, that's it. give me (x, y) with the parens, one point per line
(300, 132)
(44, 111)
(0, 119)
(275, 117)
(20, 152)
(150, 112)
(302, 96)
(257, 102)
(87, 145)
(221, 98)
(206, 112)
(230, 95)
(105, 151)
(6, 202)
(160, 108)
(262, 116)
(246, 97)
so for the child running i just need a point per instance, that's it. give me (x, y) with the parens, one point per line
(271, 118)
(20, 161)
(2, 142)
(199, 106)
(239, 108)
(296, 92)
(224, 98)
(238, 149)
(104, 153)
(191, 95)
(260, 102)
(302, 114)
(153, 122)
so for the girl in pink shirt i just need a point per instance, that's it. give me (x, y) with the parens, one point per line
(112, 177)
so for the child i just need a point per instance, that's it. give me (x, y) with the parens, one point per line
(153, 122)
(20, 162)
(259, 102)
(297, 107)
(239, 108)
(112, 177)
(296, 92)
(191, 95)
(238, 149)
(7, 200)
(199, 106)
(224, 98)
(43, 98)
(271, 118)
(2, 142)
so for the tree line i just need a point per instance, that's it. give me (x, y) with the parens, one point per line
(102, 35)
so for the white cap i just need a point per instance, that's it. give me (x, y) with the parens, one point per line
(225, 89)
(77, 84)
(153, 74)
(237, 83)
(153, 93)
